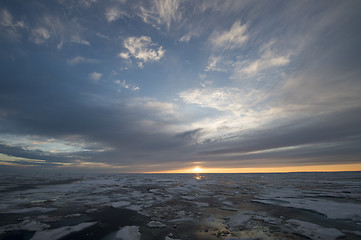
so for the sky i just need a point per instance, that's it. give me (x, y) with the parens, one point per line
(167, 85)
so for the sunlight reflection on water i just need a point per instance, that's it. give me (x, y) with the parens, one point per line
(199, 177)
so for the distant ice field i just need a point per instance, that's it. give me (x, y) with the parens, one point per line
(181, 206)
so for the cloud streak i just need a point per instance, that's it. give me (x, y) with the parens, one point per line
(234, 38)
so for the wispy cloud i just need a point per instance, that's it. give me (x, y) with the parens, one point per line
(113, 14)
(40, 35)
(142, 49)
(267, 60)
(10, 26)
(161, 12)
(95, 76)
(79, 59)
(6, 20)
(216, 63)
(227, 99)
(77, 39)
(126, 85)
(234, 38)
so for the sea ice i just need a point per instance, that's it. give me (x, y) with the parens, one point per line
(234, 238)
(120, 204)
(135, 207)
(333, 210)
(128, 233)
(358, 233)
(32, 209)
(27, 225)
(58, 233)
(189, 197)
(169, 238)
(201, 204)
(156, 224)
(229, 209)
(240, 220)
(313, 231)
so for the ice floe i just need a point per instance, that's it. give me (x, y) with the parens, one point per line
(58, 233)
(27, 225)
(128, 233)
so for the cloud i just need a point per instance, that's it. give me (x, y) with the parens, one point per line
(125, 85)
(185, 38)
(142, 49)
(95, 76)
(113, 14)
(124, 55)
(77, 39)
(161, 12)
(6, 20)
(227, 111)
(216, 63)
(40, 35)
(305, 138)
(88, 3)
(8, 27)
(59, 45)
(79, 59)
(234, 38)
(226, 99)
(281, 91)
(267, 60)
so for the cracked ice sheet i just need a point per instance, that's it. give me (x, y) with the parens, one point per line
(58, 233)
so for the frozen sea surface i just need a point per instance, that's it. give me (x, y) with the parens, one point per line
(181, 206)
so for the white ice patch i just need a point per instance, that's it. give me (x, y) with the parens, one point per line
(156, 224)
(313, 231)
(128, 233)
(58, 233)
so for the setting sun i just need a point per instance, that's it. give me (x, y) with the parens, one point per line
(197, 170)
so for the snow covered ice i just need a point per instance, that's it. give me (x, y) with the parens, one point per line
(181, 206)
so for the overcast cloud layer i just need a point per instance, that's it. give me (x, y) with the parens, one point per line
(137, 86)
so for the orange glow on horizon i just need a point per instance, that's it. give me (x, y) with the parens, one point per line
(315, 168)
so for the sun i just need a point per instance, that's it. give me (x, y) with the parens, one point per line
(197, 170)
